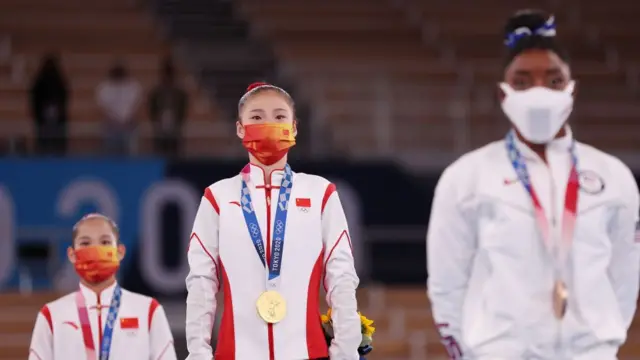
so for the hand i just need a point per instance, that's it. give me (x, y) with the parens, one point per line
(453, 348)
(364, 350)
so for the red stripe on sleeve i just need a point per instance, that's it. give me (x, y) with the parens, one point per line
(209, 195)
(47, 315)
(152, 309)
(215, 263)
(343, 234)
(164, 351)
(331, 188)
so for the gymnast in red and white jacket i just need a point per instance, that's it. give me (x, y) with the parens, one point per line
(310, 246)
(100, 320)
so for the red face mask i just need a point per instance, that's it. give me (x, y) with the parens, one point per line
(96, 264)
(268, 142)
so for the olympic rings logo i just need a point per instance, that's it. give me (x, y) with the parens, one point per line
(254, 229)
(279, 226)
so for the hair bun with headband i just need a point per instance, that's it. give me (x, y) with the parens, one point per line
(528, 24)
(257, 85)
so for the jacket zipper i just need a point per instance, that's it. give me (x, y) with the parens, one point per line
(555, 243)
(99, 325)
(554, 222)
(267, 193)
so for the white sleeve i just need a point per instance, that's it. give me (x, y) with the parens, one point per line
(130, 105)
(41, 347)
(105, 101)
(340, 280)
(161, 339)
(100, 97)
(202, 281)
(624, 268)
(451, 246)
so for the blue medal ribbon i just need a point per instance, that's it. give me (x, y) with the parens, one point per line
(279, 227)
(114, 308)
(519, 165)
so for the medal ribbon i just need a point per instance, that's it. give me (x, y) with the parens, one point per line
(85, 324)
(570, 202)
(279, 228)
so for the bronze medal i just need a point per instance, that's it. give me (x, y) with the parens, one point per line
(560, 297)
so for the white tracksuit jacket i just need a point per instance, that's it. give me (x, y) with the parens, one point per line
(317, 251)
(490, 276)
(146, 335)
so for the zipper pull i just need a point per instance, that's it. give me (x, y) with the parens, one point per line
(269, 200)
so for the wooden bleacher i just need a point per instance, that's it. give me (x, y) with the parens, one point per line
(17, 317)
(90, 36)
(431, 67)
(599, 39)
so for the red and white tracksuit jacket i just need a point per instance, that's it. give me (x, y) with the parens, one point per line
(317, 252)
(141, 331)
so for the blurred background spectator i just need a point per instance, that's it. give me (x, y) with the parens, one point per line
(49, 99)
(118, 96)
(387, 93)
(167, 110)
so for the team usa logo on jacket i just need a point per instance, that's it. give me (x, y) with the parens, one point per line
(590, 182)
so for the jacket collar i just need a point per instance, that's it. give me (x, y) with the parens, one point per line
(103, 299)
(254, 174)
(558, 146)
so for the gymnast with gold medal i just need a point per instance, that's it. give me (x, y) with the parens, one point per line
(268, 239)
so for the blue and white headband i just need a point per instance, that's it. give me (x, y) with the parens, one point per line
(548, 29)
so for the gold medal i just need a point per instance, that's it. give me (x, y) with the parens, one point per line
(560, 296)
(272, 307)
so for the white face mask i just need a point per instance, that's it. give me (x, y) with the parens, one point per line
(539, 112)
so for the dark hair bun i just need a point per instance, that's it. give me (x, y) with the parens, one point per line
(528, 27)
(528, 18)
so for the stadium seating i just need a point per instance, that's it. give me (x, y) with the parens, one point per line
(401, 77)
(89, 36)
(418, 75)
(598, 37)
(386, 77)
(338, 52)
(17, 316)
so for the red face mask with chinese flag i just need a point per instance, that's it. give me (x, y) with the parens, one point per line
(268, 142)
(96, 264)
